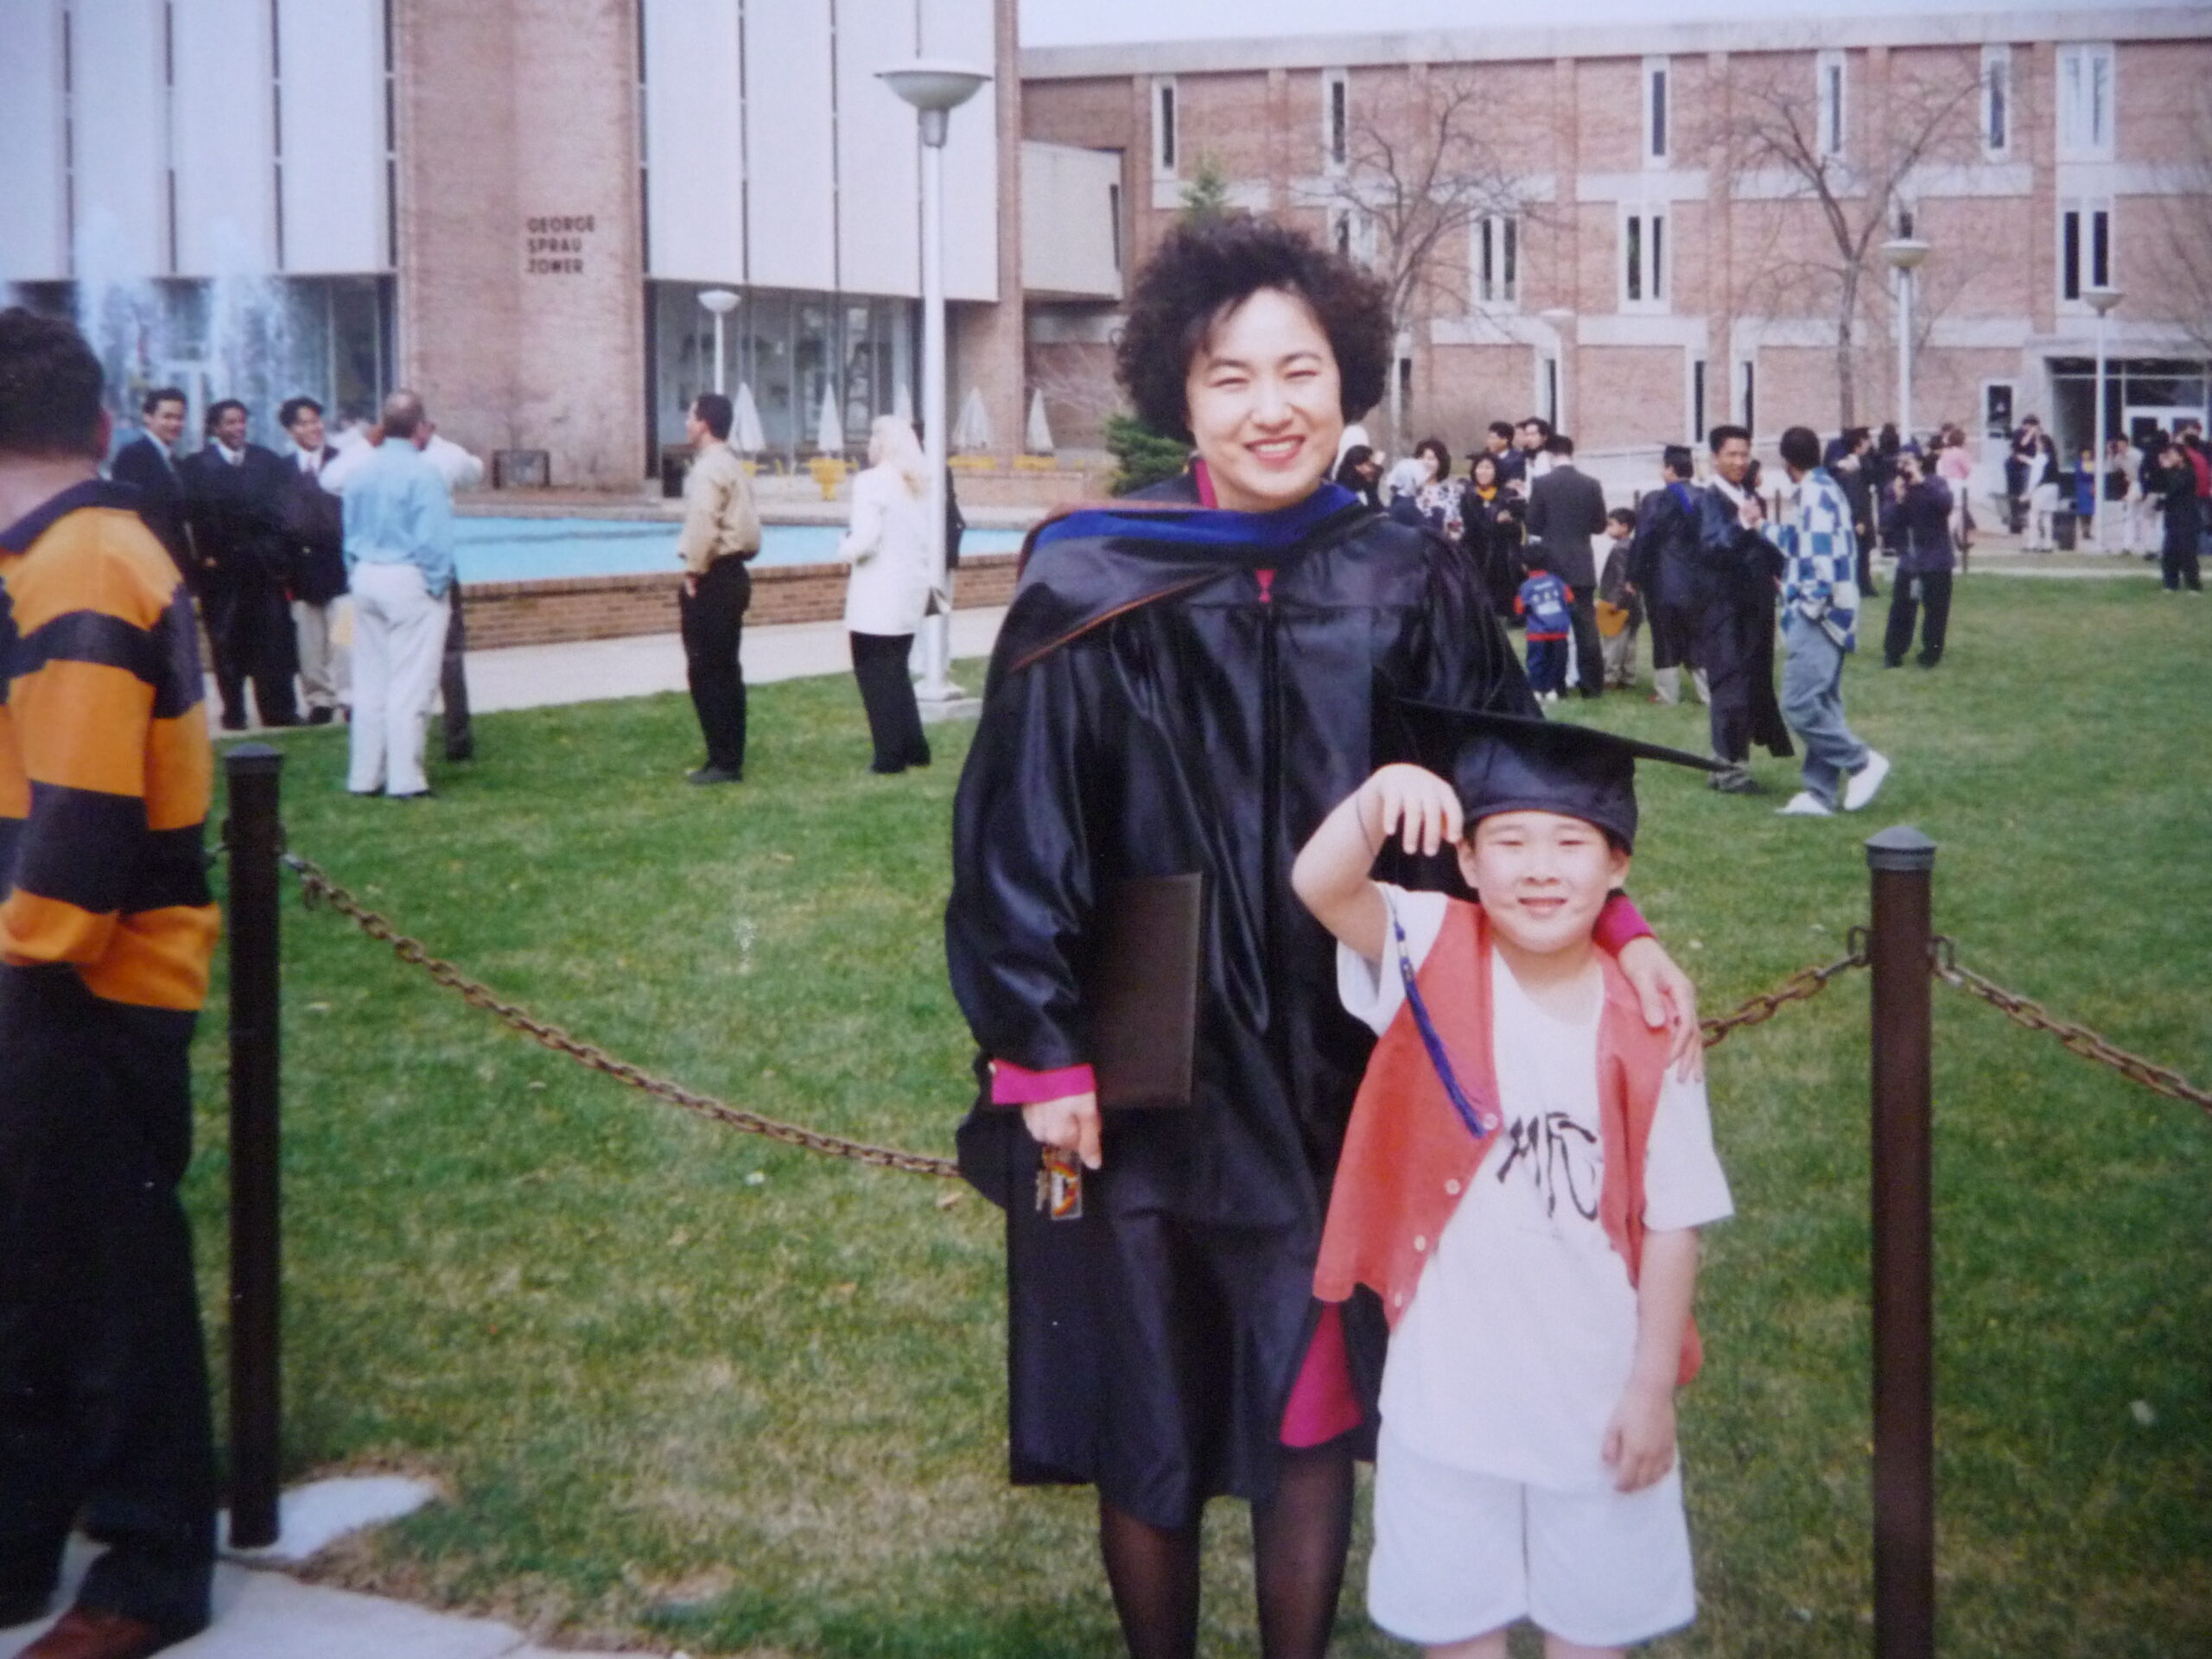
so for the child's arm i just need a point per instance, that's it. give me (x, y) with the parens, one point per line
(1640, 1440)
(1330, 874)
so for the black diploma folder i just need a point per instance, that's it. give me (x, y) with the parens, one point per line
(1144, 991)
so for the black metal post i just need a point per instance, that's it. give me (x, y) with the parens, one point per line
(1903, 862)
(254, 837)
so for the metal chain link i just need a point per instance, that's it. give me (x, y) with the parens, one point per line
(2075, 1040)
(1801, 986)
(317, 889)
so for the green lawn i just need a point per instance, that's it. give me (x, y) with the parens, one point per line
(685, 1387)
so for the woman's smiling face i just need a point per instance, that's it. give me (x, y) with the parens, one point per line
(1266, 402)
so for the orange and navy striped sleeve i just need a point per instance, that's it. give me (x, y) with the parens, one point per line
(105, 766)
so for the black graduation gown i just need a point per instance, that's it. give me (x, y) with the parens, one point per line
(1152, 710)
(1735, 629)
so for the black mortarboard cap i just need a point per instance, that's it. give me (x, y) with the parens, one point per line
(1511, 763)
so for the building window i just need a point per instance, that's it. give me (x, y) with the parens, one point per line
(2084, 247)
(1643, 259)
(1828, 85)
(1655, 110)
(1498, 260)
(1336, 118)
(1164, 156)
(1547, 388)
(1351, 233)
(1114, 218)
(2085, 103)
(1697, 400)
(1747, 399)
(1996, 101)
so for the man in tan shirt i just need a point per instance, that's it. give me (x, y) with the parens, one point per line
(721, 531)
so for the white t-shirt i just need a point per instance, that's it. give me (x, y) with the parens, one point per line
(1519, 1341)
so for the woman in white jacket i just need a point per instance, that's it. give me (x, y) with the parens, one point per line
(888, 549)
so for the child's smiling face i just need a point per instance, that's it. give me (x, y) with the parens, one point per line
(1543, 877)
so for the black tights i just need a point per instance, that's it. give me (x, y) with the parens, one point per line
(1300, 1537)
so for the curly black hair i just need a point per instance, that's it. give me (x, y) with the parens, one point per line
(1203, 271)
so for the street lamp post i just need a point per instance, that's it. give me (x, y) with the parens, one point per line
(2101, 300)
(721, 302)
(935, 88)
(1904, 254)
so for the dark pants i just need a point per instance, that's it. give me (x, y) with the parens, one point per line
(103, 1401)
(2177, 559)
(1589, 649)
(894, 721)
(1931, 588)
(1548, 664)
(453, 682)
(714, 625)
(250, 632)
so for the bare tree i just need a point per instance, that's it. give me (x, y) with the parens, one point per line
(1412, 182)
(2179, 290)
(1783, 133)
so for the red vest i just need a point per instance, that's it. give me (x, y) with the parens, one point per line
(1408, 1157)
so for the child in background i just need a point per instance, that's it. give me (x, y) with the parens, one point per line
(2085, 495)
(1521, 1184)
(1620, 607)
(1543, 602)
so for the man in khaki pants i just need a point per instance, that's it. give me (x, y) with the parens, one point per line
(721, 531)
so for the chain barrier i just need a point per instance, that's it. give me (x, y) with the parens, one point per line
(318, 889)
(1801, 986)
(2023, 1011)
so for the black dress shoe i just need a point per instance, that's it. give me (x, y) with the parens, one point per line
(413, 795)
(234, 722)
(706, 775)
(321, 717)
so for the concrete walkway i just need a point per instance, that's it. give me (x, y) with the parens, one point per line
(593, 670)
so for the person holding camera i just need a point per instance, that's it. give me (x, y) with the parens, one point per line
(1916, 521)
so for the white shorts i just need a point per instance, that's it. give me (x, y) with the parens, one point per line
(1459, 1555)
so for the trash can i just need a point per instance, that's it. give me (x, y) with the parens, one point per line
(2064, 530)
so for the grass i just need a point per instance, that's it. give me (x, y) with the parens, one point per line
(683, 1387)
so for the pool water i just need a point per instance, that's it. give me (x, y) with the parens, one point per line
(536, 549)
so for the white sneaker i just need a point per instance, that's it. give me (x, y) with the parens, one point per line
(1804, 804)
(1865, 781)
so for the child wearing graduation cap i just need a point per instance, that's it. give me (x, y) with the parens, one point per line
(1521, 1184)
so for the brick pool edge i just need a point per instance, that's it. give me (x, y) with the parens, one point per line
(559, 610)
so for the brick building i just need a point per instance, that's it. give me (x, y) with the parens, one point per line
(513, 206)
(1632, 235)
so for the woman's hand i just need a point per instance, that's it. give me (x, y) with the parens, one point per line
(1069, 1123)
(1669, 999)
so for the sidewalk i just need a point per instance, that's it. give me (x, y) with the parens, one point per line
(594, 670)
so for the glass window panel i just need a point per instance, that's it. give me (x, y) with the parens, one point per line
(1634, 258)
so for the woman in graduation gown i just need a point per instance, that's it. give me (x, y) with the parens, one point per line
(1188, 682)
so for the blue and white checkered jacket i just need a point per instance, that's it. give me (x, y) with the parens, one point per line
(1820, 580)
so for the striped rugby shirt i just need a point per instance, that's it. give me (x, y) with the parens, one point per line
(105, 764)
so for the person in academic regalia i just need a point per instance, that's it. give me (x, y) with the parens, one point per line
(237, 495)
(1187, 683)
(1734, 626)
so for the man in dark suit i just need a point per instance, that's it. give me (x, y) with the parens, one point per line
(315, 529)
(236, 496)
(1566, 510)
(148, 464)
